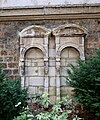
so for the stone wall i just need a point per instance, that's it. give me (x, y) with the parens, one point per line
(10, 39)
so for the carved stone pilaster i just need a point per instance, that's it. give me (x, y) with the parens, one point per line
(46, 83)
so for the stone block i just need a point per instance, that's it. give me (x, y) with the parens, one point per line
(8, 59)
(53, 99)
(11, 77)
(34, 71)
(4, 65)
(15, 71)
(17, 77)
(52, 52)
(13, 65)
(41, 71)
(35, 90)
(57, 94)
(66, 91)
(39, 41)
(69, 40)
(16, 58)
(90, 45)
(52, 71)
(52, 81)
(52, 62)
(3, 52)
(52, 43)
(1, 34)
(1, 46)
(63, 81)
(52, 91)
(36, 81)
(1, 59)
(63, 71)
(7, 71)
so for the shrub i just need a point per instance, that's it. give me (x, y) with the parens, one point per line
(10, 94)
(42, 109)
(86, 82)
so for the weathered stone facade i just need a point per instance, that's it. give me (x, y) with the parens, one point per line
(37, 44)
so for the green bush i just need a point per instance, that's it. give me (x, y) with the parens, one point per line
(86, 82)
(10, 94)
(44, 110)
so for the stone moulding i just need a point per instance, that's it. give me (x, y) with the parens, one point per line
(82, 32)
(56, 31)
(45, 13)
(76, 46)
(31, 29)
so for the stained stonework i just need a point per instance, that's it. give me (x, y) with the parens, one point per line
(34, 60)
(38, 47)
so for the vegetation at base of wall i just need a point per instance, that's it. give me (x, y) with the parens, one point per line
(10, 94)
(42, 109)
(86, 82)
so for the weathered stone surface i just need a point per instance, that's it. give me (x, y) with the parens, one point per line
(66, 91)
(15, 71)
(4, 65)
(1, 59)
(7, 71)
(3, 52)
(8, 59)
(52, 91)
(43, 51)
(12, 65)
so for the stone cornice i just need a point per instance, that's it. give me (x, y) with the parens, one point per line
(45, 13)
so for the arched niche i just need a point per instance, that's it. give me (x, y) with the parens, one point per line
(73, 45)
(34, 70)
(23, 50)
(67, 36)
(69, 55)
(34, 38)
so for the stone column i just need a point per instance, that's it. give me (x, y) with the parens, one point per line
(57, 69)
(46, 79)
(82, 56)
(21, 63)
(58, 79)
(46, 82)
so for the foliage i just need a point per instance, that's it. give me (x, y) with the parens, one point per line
(44, 100)
(56, 113)
(86, 82)
(10, 94)
(25, 115)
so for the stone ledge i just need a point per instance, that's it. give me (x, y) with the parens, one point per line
(49, 10)
(50, 17)
(47, 13)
